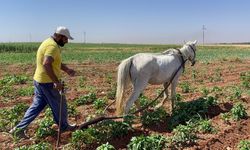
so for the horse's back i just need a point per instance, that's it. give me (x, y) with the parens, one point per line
(143, 65)
(143, 59)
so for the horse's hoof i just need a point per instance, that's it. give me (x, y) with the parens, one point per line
(158, 106)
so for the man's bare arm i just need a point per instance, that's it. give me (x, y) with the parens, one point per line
(47, 64)
(69, 71)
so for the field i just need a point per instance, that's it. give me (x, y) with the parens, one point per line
(212, 112)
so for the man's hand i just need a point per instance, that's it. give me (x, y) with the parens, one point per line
(58, 86)
(70, 72)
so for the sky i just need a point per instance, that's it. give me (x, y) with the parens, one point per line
(127, 21)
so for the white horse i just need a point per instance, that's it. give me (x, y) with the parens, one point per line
(144, 68)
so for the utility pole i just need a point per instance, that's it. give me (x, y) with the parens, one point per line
(84, 37)
(203, 34)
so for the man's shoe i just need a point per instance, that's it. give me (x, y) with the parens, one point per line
(18, 133)
(70, 128)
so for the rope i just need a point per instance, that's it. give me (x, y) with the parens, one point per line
(96, 120)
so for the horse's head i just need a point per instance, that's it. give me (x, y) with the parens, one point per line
(190, 51)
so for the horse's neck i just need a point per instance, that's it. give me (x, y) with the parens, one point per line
(183, 51)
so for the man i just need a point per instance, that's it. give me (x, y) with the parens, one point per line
(47, 82)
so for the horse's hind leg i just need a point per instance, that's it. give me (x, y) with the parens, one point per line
(165, 96)
(139, 86)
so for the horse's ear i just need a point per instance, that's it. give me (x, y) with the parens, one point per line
(195, 42)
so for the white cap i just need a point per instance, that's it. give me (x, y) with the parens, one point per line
(64, 31)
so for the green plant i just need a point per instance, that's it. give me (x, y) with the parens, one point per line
(153, 142)
(218, 75)
(244, 145)
(204, 91)
(143, 100)
(18, 47)
(82, 81)
(7, 91)
(44, 128)
(100, 103)
(115, 128)
(216, 89)
(112, 92)
(185, 86)
(184, 111)
(72, 110)
(237, 92)
(13, 79)
(129, 119)
(99, 133)
(85, 99)
(183, 135)
(158, 92)
(80, 138)
(15, 137)
(39, 146)
(26, 91)
(178, 97)
(108, 78)
(48, 112)
(106, 53)
(245, 79)
(90, 88)
(153, 118)
(238, 111)
(90, 117)
(194, 74)
(4, 125)
(10, 117)
(205, 126)
(106, 146)
(211, 78)
(226, 117)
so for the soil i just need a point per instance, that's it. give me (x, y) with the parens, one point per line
(101, 78)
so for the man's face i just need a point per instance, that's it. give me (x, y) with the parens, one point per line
(62, 40)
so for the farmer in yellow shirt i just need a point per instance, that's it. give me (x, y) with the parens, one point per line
(47, 82)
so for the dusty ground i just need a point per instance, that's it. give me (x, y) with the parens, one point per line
(100, 77)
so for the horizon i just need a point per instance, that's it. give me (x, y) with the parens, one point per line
(127, 22)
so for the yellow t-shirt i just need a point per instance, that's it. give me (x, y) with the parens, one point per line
(48, 48)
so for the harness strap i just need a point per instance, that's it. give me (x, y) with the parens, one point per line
(182, 58)
(131, 63)
(192, 50)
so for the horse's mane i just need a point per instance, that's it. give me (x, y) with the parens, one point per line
(170, 52)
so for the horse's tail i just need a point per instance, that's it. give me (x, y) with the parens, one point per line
(123, 79)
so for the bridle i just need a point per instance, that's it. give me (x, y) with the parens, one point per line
(192, 50)
(182, 58)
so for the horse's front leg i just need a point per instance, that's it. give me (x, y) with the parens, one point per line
(173, 93)
(138, 106)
